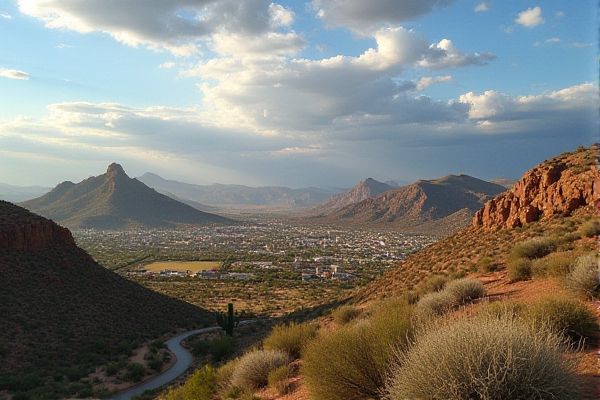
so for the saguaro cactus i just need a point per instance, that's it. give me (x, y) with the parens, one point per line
(227, 321)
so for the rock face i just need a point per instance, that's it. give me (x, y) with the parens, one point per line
(33, 233)
(556, 187)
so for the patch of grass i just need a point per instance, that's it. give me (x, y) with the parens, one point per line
(344, 314)
(484, 358)
(202, 385)
(519, 269)
(436, 303)
(432, 284)
(352, 362)
(291, 339)
(486, 264)
(465, 290)
(279, 379)
(554, 264)
(252, 370)
(585, 276)
(589, 228)
(534, 248)
(135, 372)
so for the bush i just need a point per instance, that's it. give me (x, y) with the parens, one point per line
(252, 370)
(585, 277)
(224, 374)
(219, 348)
(434, 283)
(202, 385)
(352, 362)
(279, 379)
(484, 358)
(436, 303)
(554, 264)
(533, 248)
(291, 339)
(344, 314)
(135, 372)
(519, 269)
(486, 264)
(465, 290)
(590, 228)
(567, 316)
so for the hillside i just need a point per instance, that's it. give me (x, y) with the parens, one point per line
(115, 201)
(221, 195)
(440, 205)
(567, 201)
(62, 314)
(365, 189)
(21, 193)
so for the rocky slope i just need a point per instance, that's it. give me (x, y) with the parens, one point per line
(364, 190)
(116, 201)
(556, 187)
(62, 314)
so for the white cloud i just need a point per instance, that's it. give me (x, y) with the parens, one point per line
(6, 16)
(559, 14)
(267, 45)
(483, 6)
(179, 26)
(14, 74)
(445, 55)
(426, 81)
(530, 18)
(167, 65)
(368, 16)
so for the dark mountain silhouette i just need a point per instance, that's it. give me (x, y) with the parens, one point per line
(115, 201)
(62, 314)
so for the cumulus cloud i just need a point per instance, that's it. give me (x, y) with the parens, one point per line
(426, 81)
(445, 55)
(6, 16)
(167, 65)
(483, 6)
(176, 25)
(530, 18)
(14, 74)
(367, 16)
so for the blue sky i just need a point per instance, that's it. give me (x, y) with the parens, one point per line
(295, 93)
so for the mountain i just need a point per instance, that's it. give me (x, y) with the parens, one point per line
(438, 205)
(565, 190)
(115, 201)
(21, 193)
(220, 195)
(62, 314)
(365, 189)
(507, 183)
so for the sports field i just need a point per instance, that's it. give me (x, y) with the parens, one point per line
(193, 266)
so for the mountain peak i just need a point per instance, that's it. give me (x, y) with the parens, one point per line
(115, 169)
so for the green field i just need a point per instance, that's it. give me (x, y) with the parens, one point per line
(193, 266)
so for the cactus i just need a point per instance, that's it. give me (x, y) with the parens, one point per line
(229, 321)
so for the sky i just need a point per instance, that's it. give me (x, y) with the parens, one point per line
(293, 93)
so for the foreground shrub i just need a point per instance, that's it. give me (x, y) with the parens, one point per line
(567, 316)
(252, 370)
(219, 348)
(291, 339)
(484, 358)
(224, 374)
(352, 362)
(554, 264)
(279, 379)
(519, 269)
(344, 314)
(465, 290)
(434, 283)
(533, 248)
(436, 303)
(202, 385)
(590, 228)
(486, 264)
(585, 276)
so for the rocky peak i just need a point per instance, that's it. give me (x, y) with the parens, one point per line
(555, 187)
(115, 169)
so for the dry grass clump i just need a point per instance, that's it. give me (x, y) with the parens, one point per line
(465, 290)
(252, 370)
(456, 293)
(484, 358)
(432, 284)
(534, 248)
(570, 317)
(344, 314)
(291, 338)
(279, 379)
(589, 228)
(436, 303)
(519, 269)
(554, 264)
(585, 276)
(352, 362)
(202, 385)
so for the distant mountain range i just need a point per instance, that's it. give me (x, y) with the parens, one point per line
(63, 315)
(444, 204)
(115, 201)
(14, 193)
(220, 195)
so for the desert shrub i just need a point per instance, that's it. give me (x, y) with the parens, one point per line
(252, 369)
(585, 276)
(352, 362)
(432, 284)
(135, 372)
(589, 228)
(502, 309)
(202, 385)
(554, 264)
(519, 269)
(567, 316)
(484, 358)
(290, 338)
(224, 374)
(219, 348)
(533, 248)
(279, 379)
(486, 264)
(344, 314)
(436, 303)
(465, 290)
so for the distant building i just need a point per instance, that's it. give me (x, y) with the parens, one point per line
(309, 277)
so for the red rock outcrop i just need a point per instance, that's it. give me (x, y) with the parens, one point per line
(557, 187)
